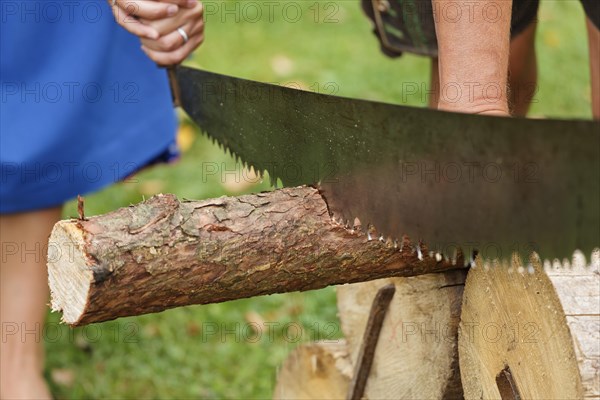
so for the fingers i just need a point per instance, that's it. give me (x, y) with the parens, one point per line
(173, 40)
(182, 3)
(127, 12)
(139, 29)
(168, 25)
(149, 10)
(156, 23)
(177, 55)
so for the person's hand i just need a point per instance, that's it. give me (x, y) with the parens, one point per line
(499, 109)
(129, 12)
(495, 113)
(179, 35)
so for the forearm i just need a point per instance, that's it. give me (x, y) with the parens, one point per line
(473, 55)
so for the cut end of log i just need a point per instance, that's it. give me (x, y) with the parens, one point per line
(70, 296)
(531, 332)
(315, 371)
(416, 356)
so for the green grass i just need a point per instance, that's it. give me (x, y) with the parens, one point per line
(177, 354)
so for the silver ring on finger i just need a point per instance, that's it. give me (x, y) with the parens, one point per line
(114, 3)
(184, 35)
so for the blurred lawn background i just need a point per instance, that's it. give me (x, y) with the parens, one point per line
(191, 352)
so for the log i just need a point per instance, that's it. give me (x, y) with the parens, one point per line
(531, 332)
(417, 353)
(315, 371)
(166, 253)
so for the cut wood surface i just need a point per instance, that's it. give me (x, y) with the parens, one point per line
(166, 253)
(417, 353)
(531, 331)
(315, 371)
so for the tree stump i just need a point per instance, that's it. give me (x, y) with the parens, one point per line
(417, 355)
(531, 332)
(166, 253)
(315, 371)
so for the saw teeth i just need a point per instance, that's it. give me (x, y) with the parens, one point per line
(547, 266)
(486, 265)
(530, 269)
(556, 264)
(579, 259)
(595, 258)
(470, 263)
(419, 253)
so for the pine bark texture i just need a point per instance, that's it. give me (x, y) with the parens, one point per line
(166, 253)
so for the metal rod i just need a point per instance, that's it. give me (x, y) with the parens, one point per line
(507, 386)
(379, 308)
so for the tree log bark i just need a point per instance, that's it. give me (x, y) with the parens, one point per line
(531, 331)
(166, 253)
(417, 353)
(315, 371)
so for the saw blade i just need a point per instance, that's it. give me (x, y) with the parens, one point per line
(491, 184)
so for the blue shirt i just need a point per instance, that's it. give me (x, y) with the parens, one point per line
(81, 105)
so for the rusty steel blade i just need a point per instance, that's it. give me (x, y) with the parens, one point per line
(492, 184)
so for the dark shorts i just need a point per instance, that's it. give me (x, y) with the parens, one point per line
(408, 25)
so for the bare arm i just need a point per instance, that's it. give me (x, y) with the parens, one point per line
(473, 42)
